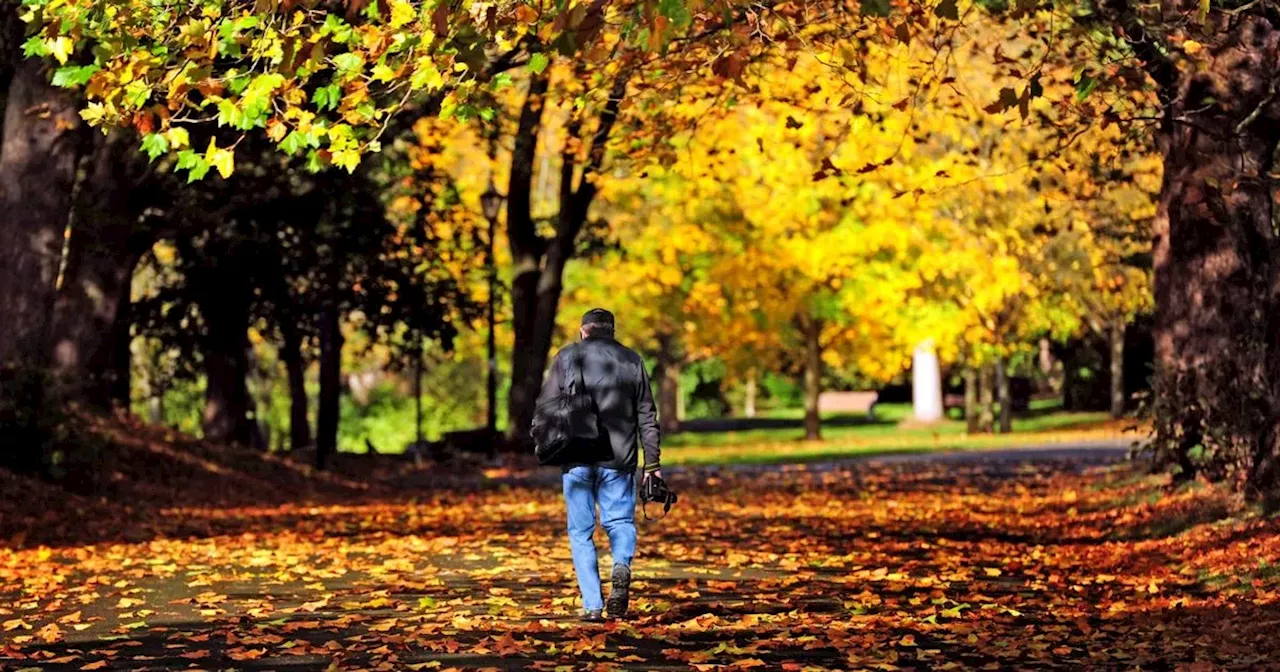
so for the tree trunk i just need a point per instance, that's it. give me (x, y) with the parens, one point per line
(527, 251)
(1217, 333)
(102, 250)
(749, 404)
(121, 391)
(972, 421)
(668, 384)
(1002, 392)
(986, 418)
(1117, 369)
(330, 385)
(38, 157)
(812, 378)
(227, 411)
(1049, 368)
(539, 264)
(296, 371)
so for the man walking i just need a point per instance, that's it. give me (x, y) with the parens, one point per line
(605, 456)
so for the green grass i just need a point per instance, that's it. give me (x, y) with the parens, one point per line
(885, 436)
(886, 424)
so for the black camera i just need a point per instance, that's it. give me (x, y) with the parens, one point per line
(654, 489)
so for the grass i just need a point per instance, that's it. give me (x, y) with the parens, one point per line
(851, 436)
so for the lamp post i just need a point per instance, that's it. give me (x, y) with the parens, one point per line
(491, 203)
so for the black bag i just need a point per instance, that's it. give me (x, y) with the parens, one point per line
(553, 423)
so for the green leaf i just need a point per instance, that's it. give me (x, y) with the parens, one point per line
(293, 142)
(538, 62)
(74, 75)
(155, 145)
(502, 80)
(229, 114)
(349, 65)
(1085, 85)
(314, 163)
(327, 97)
(947, 9)
(34, 46)
(875, 8)
(136, 94)
(193, 163)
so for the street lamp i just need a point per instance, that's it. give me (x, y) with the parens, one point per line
(491, 204)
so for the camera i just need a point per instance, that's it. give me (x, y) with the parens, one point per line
(654, 489)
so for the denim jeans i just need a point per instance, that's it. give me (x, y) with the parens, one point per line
(615, 492)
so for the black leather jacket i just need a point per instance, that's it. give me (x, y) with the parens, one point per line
(618, 382)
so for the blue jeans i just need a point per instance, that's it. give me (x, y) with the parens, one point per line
(615, 492)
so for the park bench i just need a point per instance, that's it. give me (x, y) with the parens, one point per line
(848, 402)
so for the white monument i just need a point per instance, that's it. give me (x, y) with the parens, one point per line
(926, 384)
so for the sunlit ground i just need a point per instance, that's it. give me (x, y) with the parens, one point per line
(965, 565)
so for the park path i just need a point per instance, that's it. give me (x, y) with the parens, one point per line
(1044, 557)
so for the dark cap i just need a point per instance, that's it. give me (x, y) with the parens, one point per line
(598, 316)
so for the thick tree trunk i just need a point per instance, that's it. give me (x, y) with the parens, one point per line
(986, 417)
(296, 371)
(104, 246)
(668, 384)
(121, 391)
(1216, 331)
(1117, 369)
(38, 157)
(812, 378)
(749, 403)
(972, 421)
(1002, 395)
(227, 412)
(330, 386)
(527, 251)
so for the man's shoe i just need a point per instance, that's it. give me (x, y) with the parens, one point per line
(592, 616)
(620, 596)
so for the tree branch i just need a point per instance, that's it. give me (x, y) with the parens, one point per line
(521, 232)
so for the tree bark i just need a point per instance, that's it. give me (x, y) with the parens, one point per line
(1215, 250)
(812, 329)
(539, 263)
(105, 243)
(296, 371)
(668, 384)
(527, 250)
(1002, 394)
(1117, 369)
(330, 385)
(972, 421)
(749, 404)
(227, 411)
(38, 157)
(986, 418)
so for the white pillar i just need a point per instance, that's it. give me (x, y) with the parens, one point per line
(926, 384)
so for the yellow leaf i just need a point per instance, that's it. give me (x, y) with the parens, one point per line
(61, 48)
(221, 158)
(401, 13)
(1192, 47)
(991, 571)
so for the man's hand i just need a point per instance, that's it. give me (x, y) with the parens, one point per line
(655, 472)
